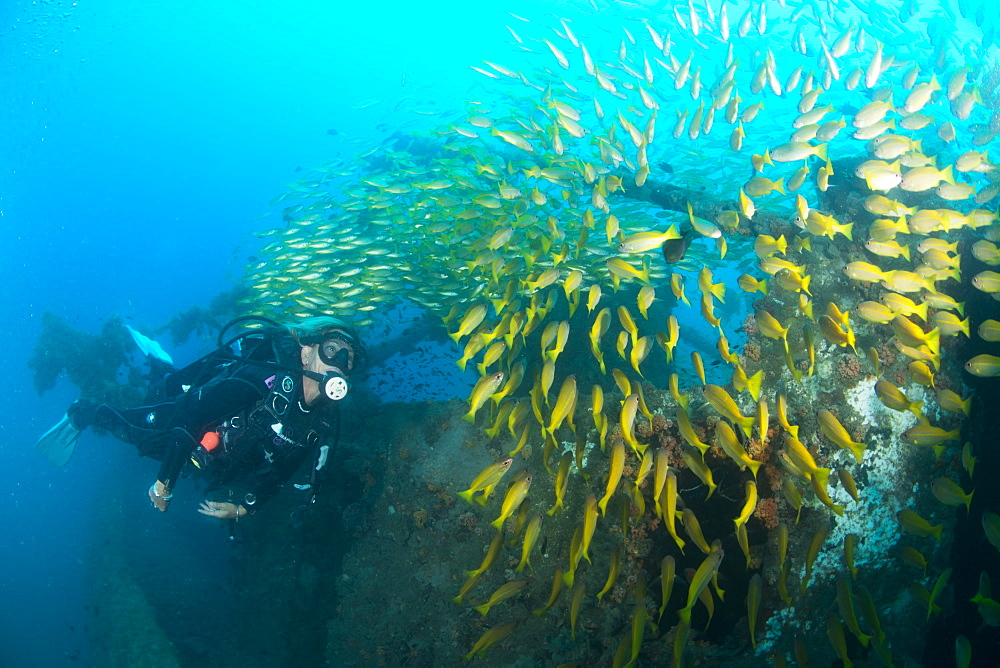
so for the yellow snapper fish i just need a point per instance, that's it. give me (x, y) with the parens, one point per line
(726, 438)
(565, 403)
(989, 330)
(623, 269)
(469, 322)
(645, 299)
(766, 245)
(490, 638)
(724, 404)
(984, 366)
(702, 577)
(919, 179)
(770, 326)
(647, 241)
(614, 474)
(487, 479)
(749, 504)
(506, 591)
(795, 151)
(875, 312)
(751, 284)
(894, 398)
(833, 430)
(515, 495)
(687, 431)
(717, 290)
(486, 386)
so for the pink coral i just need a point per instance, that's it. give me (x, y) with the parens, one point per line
(767, 513)
(849, 367)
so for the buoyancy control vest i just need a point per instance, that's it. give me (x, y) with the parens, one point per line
(272, 437)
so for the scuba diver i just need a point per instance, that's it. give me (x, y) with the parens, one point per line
(249, 413)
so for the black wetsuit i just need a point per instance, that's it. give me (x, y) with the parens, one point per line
(266, 429)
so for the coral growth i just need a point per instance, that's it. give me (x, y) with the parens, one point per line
(767, 513)
(848, 367)
(92, 362)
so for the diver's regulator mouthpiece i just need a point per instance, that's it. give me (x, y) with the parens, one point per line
(332, 385)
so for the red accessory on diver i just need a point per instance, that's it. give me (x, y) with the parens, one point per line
(210, 441)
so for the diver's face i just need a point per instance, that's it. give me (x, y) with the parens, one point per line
(314, 362)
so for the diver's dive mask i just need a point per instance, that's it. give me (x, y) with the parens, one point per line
(340, 349)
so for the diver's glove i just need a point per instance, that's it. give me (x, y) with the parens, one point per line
(160, 496)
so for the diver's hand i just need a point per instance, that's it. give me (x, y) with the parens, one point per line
(160, 496)
(222, 510)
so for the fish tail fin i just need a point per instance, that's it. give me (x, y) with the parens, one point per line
(934, 341)
(858, 450)
(821, 152)
(922, 311)
(906, 251)
(948, 175)
(779, 185)
(467, 495)
(498, 522)
(754, 384)
(754, 467)
(483, 609)
(846, 231)
(762, 286)
(470, 417)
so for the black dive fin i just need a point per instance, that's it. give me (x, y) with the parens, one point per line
(58, 443)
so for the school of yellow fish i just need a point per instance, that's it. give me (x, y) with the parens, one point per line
(506, 222)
